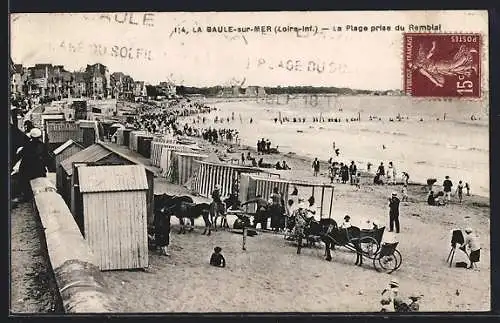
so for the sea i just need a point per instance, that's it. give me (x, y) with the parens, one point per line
(435, 138)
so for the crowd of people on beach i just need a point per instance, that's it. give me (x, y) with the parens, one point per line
(321, 119)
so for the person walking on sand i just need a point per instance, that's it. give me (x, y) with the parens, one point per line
(406, 178)
(467, 187)
(352, 172)
(394, 212)
(393, 173)
(460, 191)
(447, 184)
(315, 166)
(404, 192)
(357, 181)
(275, 209)
(381, 169)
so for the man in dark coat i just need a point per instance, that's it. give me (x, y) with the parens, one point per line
(34, 161)
(394, 212)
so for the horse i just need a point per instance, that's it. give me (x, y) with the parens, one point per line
(309, 228)
(329, 233)
(163, 202)
(192, 211)
(343, 236)
(167, 204)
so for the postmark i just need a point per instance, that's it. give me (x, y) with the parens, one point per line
(442, 65)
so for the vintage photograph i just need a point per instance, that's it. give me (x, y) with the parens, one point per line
(211, 162)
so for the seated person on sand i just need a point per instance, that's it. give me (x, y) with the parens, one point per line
(261, 164)
(217, 258)
(434, 199)
(285, 166)
(377, 180)
(278, 166)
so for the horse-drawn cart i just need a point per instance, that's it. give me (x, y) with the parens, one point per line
(366, 243)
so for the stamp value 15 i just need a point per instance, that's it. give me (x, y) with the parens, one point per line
(442, 65)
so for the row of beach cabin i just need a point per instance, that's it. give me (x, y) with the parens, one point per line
(110, 190)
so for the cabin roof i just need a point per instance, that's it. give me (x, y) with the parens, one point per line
(294, 182)
(92, 153)
(65, 145)
(127, 157)
(114, 178)
(189, 154)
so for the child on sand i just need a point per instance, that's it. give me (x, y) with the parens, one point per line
(357, 180)
(217, 258)
(467, 187)
(404, 192)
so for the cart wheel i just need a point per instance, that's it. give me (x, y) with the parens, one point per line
(369, 246)
(399, 259)
(386, 264)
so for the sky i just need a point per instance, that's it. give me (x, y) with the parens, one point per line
(147, 46)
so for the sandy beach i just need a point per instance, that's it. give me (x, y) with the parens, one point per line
(270, 277)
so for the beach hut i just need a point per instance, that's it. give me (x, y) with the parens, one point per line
(150, 174)
(166, 138)
(183, 166)
(89, 132)
(58, 132)
(133, 140)
(48, 118)
(252, 185)
(97, 154)
(157, 150)
(115, 214)
(167, 155)
(64, 151)
(144, 145)
(92, 154)
(208, 174)
(126, 136)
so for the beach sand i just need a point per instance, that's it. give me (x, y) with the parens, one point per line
(270, 277)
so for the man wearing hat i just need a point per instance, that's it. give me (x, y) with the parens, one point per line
(394, 212)
(391, 300)
(473, 244)
(34, 161)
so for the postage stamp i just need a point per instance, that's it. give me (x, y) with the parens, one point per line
(442, 65)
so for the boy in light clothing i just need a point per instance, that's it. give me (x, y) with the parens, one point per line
(404, 192)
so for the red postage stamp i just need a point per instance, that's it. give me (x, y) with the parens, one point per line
(442, 65)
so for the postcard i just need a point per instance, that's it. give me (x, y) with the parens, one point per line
(209, 162)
